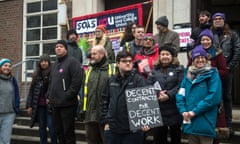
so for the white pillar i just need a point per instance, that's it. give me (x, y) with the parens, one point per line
(84, 7)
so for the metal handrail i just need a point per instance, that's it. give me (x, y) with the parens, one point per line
(17, 72)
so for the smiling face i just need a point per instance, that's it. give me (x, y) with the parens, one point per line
(206, 42)
(5, 69)
(200, 61)
(218, 21)
(165, 57)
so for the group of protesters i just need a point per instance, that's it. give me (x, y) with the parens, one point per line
(189, 98)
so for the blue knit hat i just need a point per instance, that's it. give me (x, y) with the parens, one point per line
(219, 14)
(207, 33)
(199, 51)
(4, 60)
(163, 20)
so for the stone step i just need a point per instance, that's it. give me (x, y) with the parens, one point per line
(17, 139)
(21, 130)
(21, 120)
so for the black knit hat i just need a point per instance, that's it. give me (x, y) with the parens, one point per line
(63, 42)
(162, 21)
(167, 48)
(71, 31)
(44, 57)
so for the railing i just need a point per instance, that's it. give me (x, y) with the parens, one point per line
(17, 69)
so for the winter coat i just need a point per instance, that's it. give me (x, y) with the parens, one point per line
(35, 90)
(96, 82)
(216, 58)
(230, 44)
(16, 99)
(75, 51)
(169, 38)
(202, 96)
(113, 108)
(151, 54)
(170, 81)
(65, 82)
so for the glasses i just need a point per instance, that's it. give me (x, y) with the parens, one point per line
(148, 38)
(126, 61)
(218, 19)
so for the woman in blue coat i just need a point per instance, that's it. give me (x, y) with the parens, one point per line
(198, 99)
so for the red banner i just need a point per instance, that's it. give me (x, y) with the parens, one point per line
(114, 20)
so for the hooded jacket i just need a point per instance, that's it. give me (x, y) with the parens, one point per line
(202, 96)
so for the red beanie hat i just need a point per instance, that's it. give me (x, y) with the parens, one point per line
(101, 27)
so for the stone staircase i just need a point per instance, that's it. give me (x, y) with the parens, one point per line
(23, 134)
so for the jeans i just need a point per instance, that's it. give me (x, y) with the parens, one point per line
(45, 120)
(129, 138)
(64, 120)
(6, 123)
(227, 97)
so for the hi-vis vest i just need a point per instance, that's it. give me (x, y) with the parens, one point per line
(111, 71)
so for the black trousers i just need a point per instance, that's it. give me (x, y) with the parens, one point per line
(161, 134)
(63, 118)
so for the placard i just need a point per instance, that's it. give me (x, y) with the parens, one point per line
(143, 108)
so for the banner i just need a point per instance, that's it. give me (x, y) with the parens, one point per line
(143, 108)
(114, 20)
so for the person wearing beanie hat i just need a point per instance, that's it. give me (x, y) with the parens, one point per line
(168, 75)
(147, 55)
(101, 27)
(9, 100)
(228, 41)
(218, 14)
(167, 37)
(207, 33)
(198, 98)
(102, 39)
(36, 105)
(167, 48)
(73, 49)
(199, 51)
(66, 80)
(162, 21)
(4, 60)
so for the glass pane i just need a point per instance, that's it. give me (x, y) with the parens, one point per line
(49, 5)
(32, 50)
(33, 34)
(50, 19)
(34, 7)
(49, 48)
(49, 33)
(33, 21)
(31, 64)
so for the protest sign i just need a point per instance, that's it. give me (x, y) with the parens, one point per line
(143, 108)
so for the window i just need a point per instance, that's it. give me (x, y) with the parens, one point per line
(41, 32)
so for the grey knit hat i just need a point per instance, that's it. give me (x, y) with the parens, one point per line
(162, 21)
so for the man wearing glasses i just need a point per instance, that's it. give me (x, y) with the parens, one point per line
(227, 40)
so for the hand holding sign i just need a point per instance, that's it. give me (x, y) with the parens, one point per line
(143, 108)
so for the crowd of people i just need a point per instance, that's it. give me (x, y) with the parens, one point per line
(189, 98)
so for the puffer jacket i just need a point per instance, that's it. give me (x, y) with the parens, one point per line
(230, 44)
(33, 96)
(202, 96)
(113, 107)
(169, 81)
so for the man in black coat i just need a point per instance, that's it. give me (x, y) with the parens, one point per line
(65, 82)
